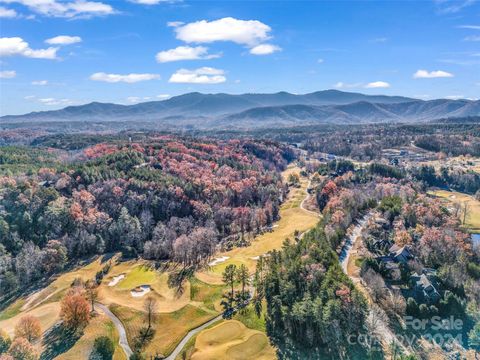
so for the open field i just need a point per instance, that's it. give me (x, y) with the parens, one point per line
(47, 314)
(170, 327)
(232, 340)
(472, 221)
(292, 218)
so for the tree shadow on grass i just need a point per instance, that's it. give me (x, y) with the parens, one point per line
(58, 340)
(176, 279)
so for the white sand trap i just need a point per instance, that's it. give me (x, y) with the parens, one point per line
(116, 280)
(218, 260)
(140, 291)
(255, 258)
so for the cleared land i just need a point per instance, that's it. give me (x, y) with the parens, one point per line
(47, 314)
(170, 327)
(472, 221)
(232, 340)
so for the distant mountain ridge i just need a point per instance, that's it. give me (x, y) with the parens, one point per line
(247, 110)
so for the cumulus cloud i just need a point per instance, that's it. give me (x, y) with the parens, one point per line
(164, 96)
(264, 49)
(128, 78)
(16, 46)
(185, 53)
(377, 84)
(7, 13)
(204, 75)
(63, 40)
(67, 9)
(244, 32)
(424, 74)
(8, 74)
(40, 82)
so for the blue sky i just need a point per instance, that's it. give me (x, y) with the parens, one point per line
(56, 53)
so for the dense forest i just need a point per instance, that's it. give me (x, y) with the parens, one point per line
(166, 198)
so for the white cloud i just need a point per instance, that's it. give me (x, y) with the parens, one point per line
(7, 13)
(244, 32)
(63, 40)
(40, 82)
(164, 96)
(54, 101)
(472, 38)
(17, 46)
(424, 74)
(67, 9)
(8, 74)
(342, 85)
(379, 40)
(129, 78)
(185, 53)
(174, 23)
(29, 97)
(452, 6)
(470, 27)
(454, 97)
(204, 75)
(320, 61)
(377, 84)
(264, 49)
(149, 2)
(134, 99)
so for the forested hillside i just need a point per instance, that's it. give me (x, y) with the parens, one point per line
(167, 198)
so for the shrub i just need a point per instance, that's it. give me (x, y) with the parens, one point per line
(104, 347)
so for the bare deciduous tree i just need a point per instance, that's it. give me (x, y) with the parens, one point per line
(375, 283)
(150, 307)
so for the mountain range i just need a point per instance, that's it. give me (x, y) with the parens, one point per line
(254, 110)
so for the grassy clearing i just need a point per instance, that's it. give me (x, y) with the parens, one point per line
(170, 327)
(232, 340)
(12, 310)
(250, 319)
(47, 314)
(472, 221)
(98, 326)
(209, 295)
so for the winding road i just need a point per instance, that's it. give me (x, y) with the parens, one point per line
(302, 204)
(382, 327)
(189, 335)
(121, 330)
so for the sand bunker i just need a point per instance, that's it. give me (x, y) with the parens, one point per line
(218, 260)
(116, 280)
(140, 291)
